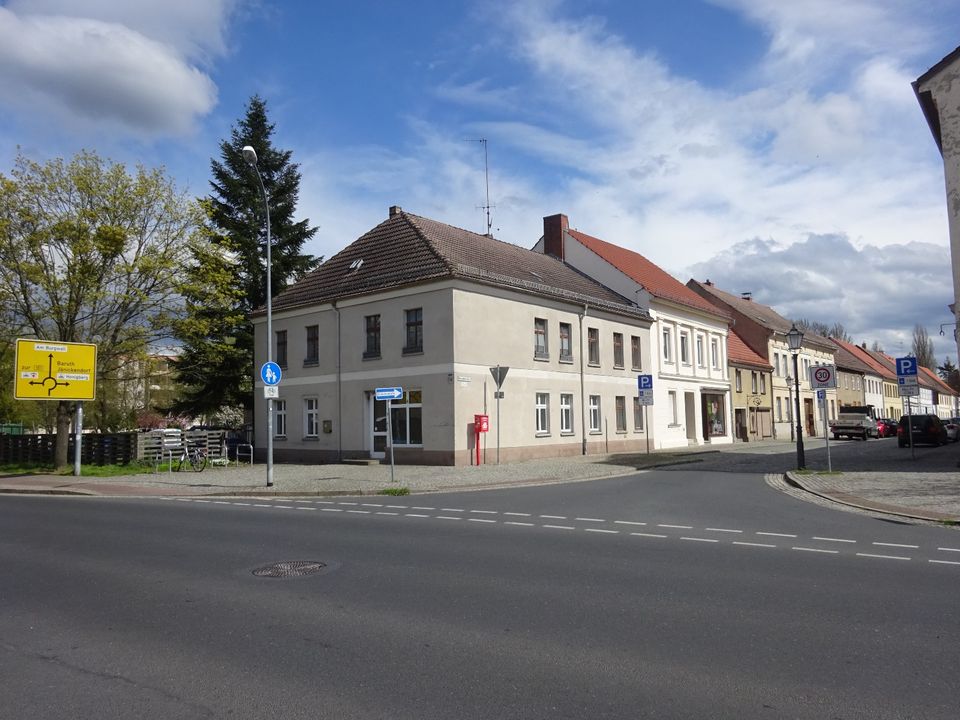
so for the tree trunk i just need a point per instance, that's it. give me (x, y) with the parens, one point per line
(64, 408)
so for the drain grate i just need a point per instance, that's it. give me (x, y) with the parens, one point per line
(290, 568)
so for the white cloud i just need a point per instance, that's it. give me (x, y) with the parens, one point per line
(129, 66)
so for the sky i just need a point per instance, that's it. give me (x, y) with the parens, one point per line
(771, 147)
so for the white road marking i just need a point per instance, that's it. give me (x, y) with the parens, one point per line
(514, 522)
(372, 504)
(221, 502)
(752, 544)
(450, 509)
(944, 562)
(883, 557)
(554, 517)
(257, 505)
(485, 512)
(589, 519)
(677, 527)
(627, 522)
(949, 549)
(722, 530)
(347, 503)
(448, 517)
(772, 534)
(416, 507)
(302, 501)
(307, 508)
(914, 547)
(244, 504)
(710, 540)
(397, 507)
(517, 514)
(653, 535)
(484, 520)
(331, 510)
(415, 515)
(816, 550)
(284, 507)
(359, 512)
(599, 530)
(825, 539)
(560, 527)
(387, 513)
(325, 502)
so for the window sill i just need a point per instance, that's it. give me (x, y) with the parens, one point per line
(541, 358)
(412, 351)
(596, 432)
(371, 356)
(543, 434)
(570, 433)
(566, 359)
(311, 438)
(674, 425)
(593, 364)
(311, 363)
(280, 438)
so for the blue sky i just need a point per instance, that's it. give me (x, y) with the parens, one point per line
(772, 147)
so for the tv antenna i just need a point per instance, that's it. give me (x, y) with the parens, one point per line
(486, 177)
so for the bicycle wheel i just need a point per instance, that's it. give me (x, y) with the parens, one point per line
(198, 460)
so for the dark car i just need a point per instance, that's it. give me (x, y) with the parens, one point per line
(886, 427)
(927, 430)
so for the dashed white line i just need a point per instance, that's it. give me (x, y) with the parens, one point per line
(693, 539)
(677, 527)
(513, 514)
(485, 512)
(560, 527)
(221, 502)
(331, 510)
(600, 530)
(949, 549)
(722, 530)
(284, 507)
(303, 501)
(773, 534)
(307, 508)
(449, 509)
(347, 503)
(388, 513)
(483, 520)
(650, 535)
(753, 544)
(416, 507)
(359, 512)
(582, 519)
(397, 507)
(325, 502)
(912, 547)
(244, 504)
(259, 505)
(944, 562)
(521, 524)
(372, 504)
(554, 517)
(883, 557)
(816, 550)
(448, 517)
(826, 539)
(415, 515)
(628, 522)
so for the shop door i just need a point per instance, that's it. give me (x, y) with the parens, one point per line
(377, 412)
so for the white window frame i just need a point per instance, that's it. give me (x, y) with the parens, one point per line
(763, 384)
(666, 337)
(279, 418)
(595, 418)
(541, 343)
(311, 417)
(738, 378)
(715, 353)
(700, 360)
(566, 413)
(542, 410)
(685, 348)
(674, 419)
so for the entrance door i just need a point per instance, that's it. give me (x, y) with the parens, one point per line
(690, 416)
(377, 414)
(808, 414)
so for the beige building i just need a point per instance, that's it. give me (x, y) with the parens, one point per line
(429, 308)
(752, 391)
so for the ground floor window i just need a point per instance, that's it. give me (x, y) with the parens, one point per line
(637, 415)
(566, 413)
(595, 413)
(279, 418)
(311, 417)
(716, 416)
(543, 413)
(406, 418)
(621, 412)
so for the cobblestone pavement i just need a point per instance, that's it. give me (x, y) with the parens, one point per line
(874, 475)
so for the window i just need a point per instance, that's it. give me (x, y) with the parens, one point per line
(776, 364)
(543, 413)
(281, 353)
(673, 407)
(618, 350)
(566, 342)
(593, 346)
(753, 383)
(540, 339)
(684, 348)
(311, 417)
(700, 360)
(637, 415)
(779, 411)
(406, 418)
(279, 418)
(715, 353)
(636, 360)
(595, 414)
(763, 384)
(372, 326)
(566, 413)
(739, 380)
(414, 343)
(313, 345)
(667, 345)
(620, 403)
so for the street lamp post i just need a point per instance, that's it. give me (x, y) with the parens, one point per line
(250, 155)
(789, 405)
(795, 339)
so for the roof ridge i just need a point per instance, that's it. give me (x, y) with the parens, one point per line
(421, 233)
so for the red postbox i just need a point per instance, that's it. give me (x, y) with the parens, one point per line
(481, 424)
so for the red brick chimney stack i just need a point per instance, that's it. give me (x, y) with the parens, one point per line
(554, 227)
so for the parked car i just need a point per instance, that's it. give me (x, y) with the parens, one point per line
(953, 430)
(854, 425)
(927, 430)
(886, 427)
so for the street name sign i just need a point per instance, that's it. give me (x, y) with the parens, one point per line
(55, 370)
(388, 393)
(909, 390)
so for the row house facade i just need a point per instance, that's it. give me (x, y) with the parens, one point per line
(765, 332)
(432, 309)
(858, 385)
(688, 339)
(752, 390)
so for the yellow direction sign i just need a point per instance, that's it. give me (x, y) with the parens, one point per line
(55, 370)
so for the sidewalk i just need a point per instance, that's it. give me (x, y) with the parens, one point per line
(933, 494)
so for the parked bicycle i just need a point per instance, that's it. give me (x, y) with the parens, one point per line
(196, 457)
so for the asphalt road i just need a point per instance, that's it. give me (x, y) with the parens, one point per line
(671, 594)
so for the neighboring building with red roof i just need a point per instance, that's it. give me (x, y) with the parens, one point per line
(688, 341)
(752, 390)
(859, 383)
(429, 308)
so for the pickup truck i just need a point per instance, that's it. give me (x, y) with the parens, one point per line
(854, 425)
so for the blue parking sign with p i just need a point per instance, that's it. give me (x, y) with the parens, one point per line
(645, 382)
(907, 366)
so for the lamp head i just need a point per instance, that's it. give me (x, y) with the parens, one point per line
(794, 338)
(250, 155)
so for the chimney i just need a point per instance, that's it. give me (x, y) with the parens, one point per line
(554, 227)
(748, 295)
(708, 283)
(395, 210)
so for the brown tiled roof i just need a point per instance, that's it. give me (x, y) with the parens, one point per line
(758, 312)
(846, 359)
(885, 363)
(738, 352)
(407, 249)
(936, 382)
(654, 279)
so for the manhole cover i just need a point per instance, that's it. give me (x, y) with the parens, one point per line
(290, 568)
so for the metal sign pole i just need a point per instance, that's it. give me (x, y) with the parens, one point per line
(646, 428)
(913, 455)
(78, 439)
(826, 432)
(390, 436)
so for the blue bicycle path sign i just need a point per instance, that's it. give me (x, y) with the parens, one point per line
(270, 373)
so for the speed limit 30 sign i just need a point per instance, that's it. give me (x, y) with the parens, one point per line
(823, 376)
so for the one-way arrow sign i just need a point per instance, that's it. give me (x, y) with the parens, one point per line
(388, 393)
